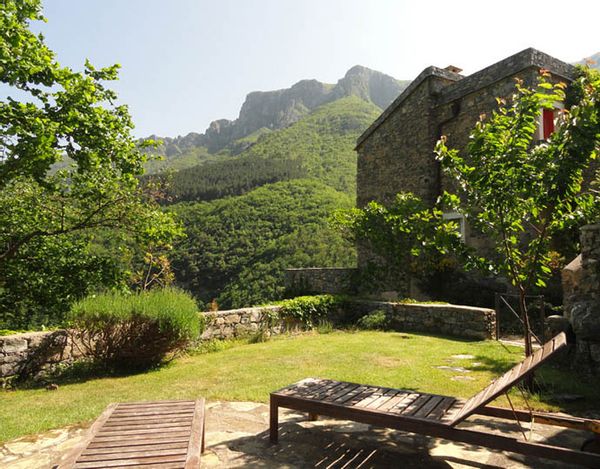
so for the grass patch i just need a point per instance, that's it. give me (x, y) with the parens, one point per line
(248, 372)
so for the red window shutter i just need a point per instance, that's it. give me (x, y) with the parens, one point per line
(548, 120)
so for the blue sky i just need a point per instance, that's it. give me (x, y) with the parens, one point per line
(188, 62)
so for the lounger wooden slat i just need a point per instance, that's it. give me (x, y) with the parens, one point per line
(400, 395)
(351, 395)
(377, 403)
(431, 404)
(153, 434)
(416, 405)
(343, 391)
(138, 426)
(436, 415)
(150, 421)
(401, 406)
(132, 454)
(153, 411)
(130, 442)
(125, 449)
(440, 410)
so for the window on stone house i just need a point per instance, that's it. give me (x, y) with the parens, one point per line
(547, 122)
(460, 222)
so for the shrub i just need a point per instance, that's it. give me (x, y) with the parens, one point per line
(308, 310)
(325, 327)
(375, 320)
(135, 331)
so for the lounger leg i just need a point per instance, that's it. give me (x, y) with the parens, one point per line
(273, 420)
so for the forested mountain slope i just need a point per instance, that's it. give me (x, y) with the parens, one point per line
(320, 146)
(237, 249)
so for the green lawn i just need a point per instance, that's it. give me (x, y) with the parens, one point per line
(250, 371)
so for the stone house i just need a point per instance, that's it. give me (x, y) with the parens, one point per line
(396, 153)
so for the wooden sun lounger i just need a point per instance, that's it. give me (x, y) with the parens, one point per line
(163, 434)
(435, 415)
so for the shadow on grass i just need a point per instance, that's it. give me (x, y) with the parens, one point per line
(418, 334)
(80, 372)
(493, 365)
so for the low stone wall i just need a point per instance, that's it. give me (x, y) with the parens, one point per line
(35, 353)
(581, 293)
(239, 322)
(446, 319)
(313, 280)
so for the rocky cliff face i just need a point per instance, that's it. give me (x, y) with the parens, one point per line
(281, 108)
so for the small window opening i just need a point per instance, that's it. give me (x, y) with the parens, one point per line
(459, 218)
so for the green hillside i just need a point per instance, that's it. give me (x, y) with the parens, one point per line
(320, 146)
(237, 248)
(189, 158)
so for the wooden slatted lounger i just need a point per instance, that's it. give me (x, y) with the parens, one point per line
(163, 434)
(434, 415)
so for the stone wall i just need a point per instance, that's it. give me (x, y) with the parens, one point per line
(398, 154)
(581, 292)
(314, 280)
(446, 319)
(35, 353)
(240, 322)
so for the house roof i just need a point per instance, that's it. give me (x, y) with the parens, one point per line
(464, 85)
(427, 73)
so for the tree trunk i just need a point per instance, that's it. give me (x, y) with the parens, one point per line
(526, 334)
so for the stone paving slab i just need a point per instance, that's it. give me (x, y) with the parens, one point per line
(237, 436)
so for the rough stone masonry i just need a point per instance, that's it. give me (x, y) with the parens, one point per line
(581, 287)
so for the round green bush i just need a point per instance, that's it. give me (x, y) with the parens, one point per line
(137, 330)
(376, 320)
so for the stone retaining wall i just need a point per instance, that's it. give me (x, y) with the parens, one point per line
(581, 292)
(239, 322)
(35, 353)
(447, 319)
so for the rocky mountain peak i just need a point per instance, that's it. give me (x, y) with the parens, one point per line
(280, 108)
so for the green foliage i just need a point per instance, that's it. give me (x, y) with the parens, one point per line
(236, 249)
(412, 239)
(319, 146)
(48, 218)
(232, 176)
(215, 345)
(11, 331)
(136, 331)
(187, 159)
(376, 320)
(39, 286)
(521, 193)
(325, 326)
(246, 142)
(309, 311)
